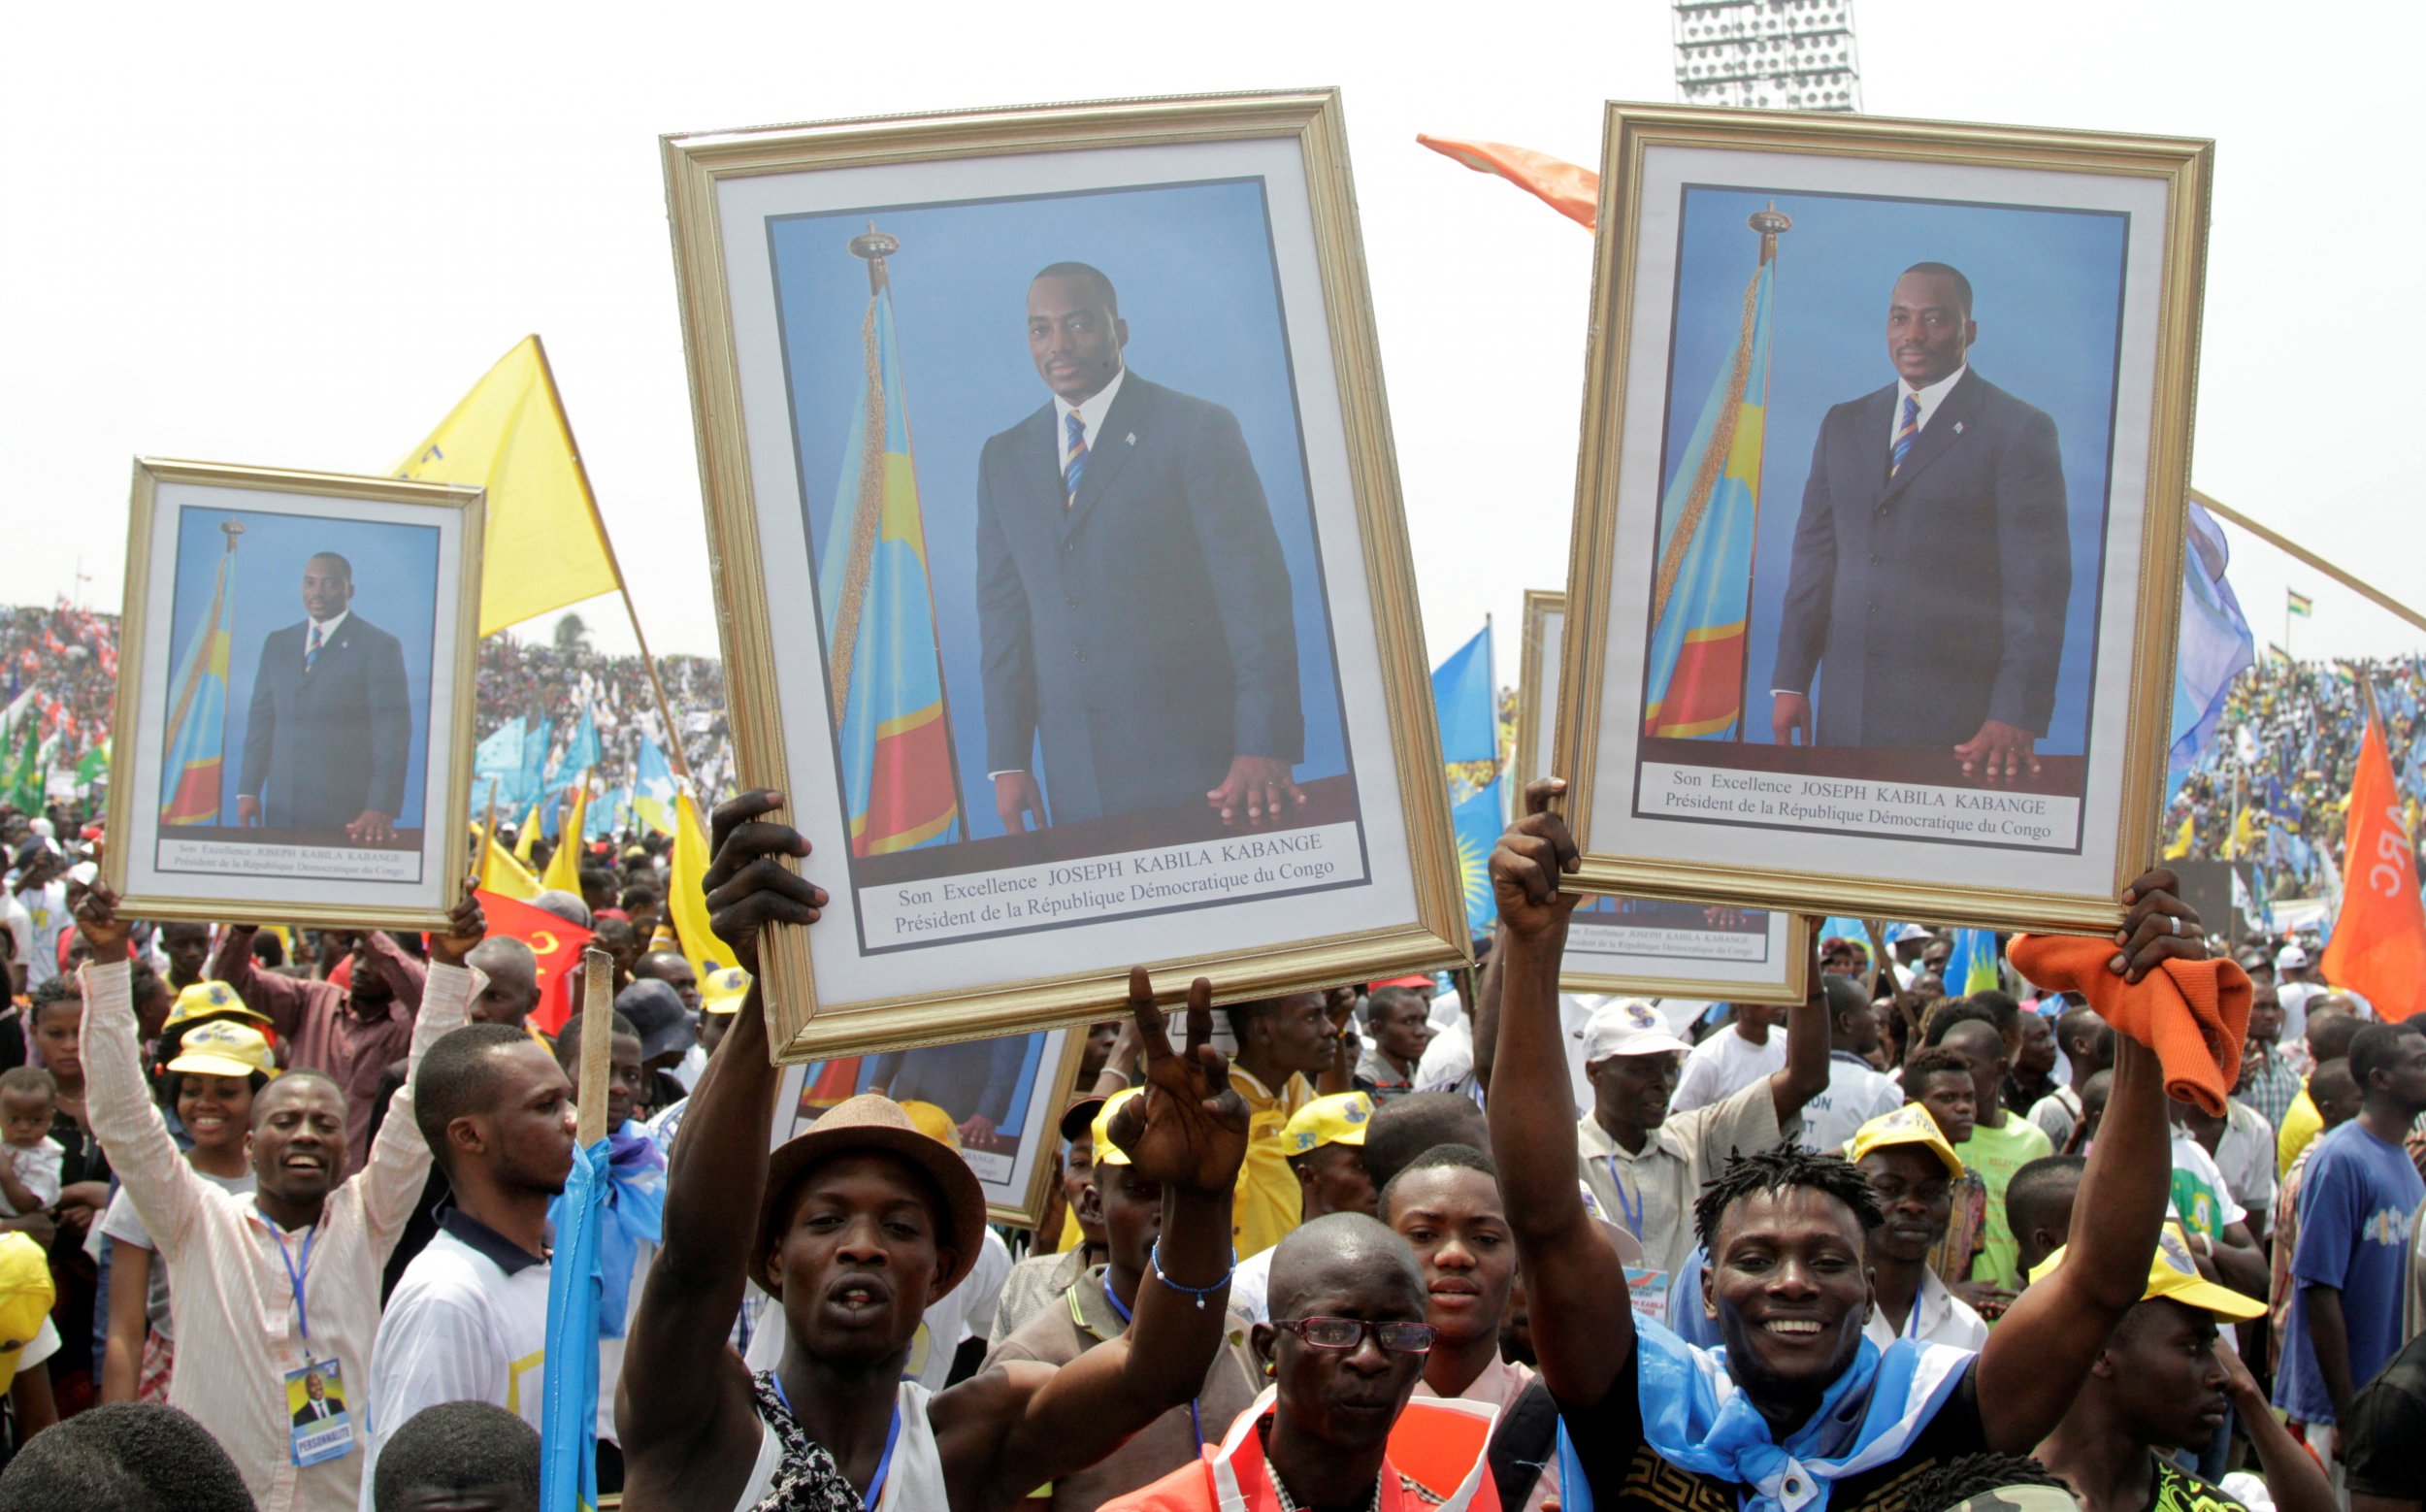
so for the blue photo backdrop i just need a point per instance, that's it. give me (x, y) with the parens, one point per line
(395, 589)
(2047, 288)
(1194, 267)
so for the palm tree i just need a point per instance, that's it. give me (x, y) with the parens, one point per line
(571, 635)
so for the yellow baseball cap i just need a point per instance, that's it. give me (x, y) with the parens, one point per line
(1911, 1124)
(724, 990)
(208, 1000)
(224, 1047)
(2173, 1274)
(25, 1297)
(1108, 1153)
(1337, 1119)
(933, 1122)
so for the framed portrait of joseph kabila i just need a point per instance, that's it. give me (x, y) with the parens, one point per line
(1879, 523)
(296, 667)
(1063, 581)
(1654, 947)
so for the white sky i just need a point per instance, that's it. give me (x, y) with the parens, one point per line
(295, 235)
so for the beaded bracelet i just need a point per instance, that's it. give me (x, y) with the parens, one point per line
(1200, 1293)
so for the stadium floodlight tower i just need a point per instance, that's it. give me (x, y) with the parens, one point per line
(1778, 54)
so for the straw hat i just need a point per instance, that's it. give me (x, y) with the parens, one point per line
(872, 1122)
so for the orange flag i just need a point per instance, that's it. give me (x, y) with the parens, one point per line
(2379, 946)
(1573, 192)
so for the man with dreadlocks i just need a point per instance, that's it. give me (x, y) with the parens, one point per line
(1798, 1412)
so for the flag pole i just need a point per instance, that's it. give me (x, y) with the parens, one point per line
(1771, 223)
(665, 711)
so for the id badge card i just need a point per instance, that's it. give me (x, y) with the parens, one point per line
(1648, 1290)
(323, 1427)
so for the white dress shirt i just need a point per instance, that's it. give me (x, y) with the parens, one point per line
(326, 627)
(1930, 398)
(1938, 1317)
(233, 1307)
(1090, 415)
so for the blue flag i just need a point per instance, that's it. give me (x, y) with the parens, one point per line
(1972, 968)
(500, 757)
(568, 1402)
(1461, 694)
(2215, 648)
(1477, 821)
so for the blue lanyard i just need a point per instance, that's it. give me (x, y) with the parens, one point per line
(1632, 1211)
(295, 1278)
(884, 1462)
(1196, 1412)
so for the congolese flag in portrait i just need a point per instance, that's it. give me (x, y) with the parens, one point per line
(198, 715)
(883, 668)
(1701, 596)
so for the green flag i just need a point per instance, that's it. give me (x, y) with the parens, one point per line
(94, 766)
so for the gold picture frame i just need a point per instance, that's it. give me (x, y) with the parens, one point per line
(1015, 1197)
(1871, 190)
(1629, 957)
(733, 197)
(419, 545)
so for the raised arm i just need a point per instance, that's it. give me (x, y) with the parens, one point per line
(403, 974)
(1805, 1074)
(1573, 1283)
(1191, 1135)
(686, 1398)
(2043, 1348)
(285, 999)
(399, 1168)
(166, 1192)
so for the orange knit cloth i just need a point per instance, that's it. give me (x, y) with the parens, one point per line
(2194, 1014)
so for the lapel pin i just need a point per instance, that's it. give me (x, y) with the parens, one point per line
(1958, 427)
(1133, 438)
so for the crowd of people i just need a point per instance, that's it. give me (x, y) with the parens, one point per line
(279, 1210)
(552, 683)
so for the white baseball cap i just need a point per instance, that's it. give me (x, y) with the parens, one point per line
(2291, 958)
(1633, 1028)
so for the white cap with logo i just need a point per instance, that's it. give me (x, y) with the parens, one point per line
(1632, 1028)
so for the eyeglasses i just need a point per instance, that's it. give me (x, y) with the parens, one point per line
(1345, 1333)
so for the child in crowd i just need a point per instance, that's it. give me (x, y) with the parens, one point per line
(29, 1161)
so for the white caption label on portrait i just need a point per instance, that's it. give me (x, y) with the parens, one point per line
(1845, 806)
(1107, 887)
(1619, 940)
(311, 862)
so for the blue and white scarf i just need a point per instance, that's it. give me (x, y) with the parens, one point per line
(1696, 1418)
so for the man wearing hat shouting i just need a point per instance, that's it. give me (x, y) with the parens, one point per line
(856, 1227)
(2164, 1381)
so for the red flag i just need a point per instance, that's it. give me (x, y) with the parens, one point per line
(2379, 945)
(557, 944)
(1573, 192)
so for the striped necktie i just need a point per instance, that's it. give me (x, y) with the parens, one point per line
(1076, 467)
(312, 652)
(1905, 435)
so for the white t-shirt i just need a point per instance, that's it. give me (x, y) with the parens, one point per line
(1855, 1095)
(47, 919)
(1251, 1286)
(967, 1311)
(125, 1226)
(468, 1322)
(1725, 1065)
(38, 1167)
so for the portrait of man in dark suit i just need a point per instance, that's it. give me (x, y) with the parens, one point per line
(318, 1405)
(1933, 559)
(330, 727)
(1134, 607)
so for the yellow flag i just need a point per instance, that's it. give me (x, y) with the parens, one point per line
(686, 895)
(564, 869)
(502, 875)
(2183, 842)
(528, 837)
(2244, 834)
(544, 545)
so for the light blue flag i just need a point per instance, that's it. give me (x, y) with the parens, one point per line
(569, 1401)
(2214, 648)
(1972, 968)
(500, 757)
(1477, 822)
(652, 788)
(609, 811)
(581, 752)
(1461, 694)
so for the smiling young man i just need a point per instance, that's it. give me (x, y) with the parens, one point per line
(1805, 1413)
(267, 1288)
(2165, 1382)
(469, 1320)
(855, 1227)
